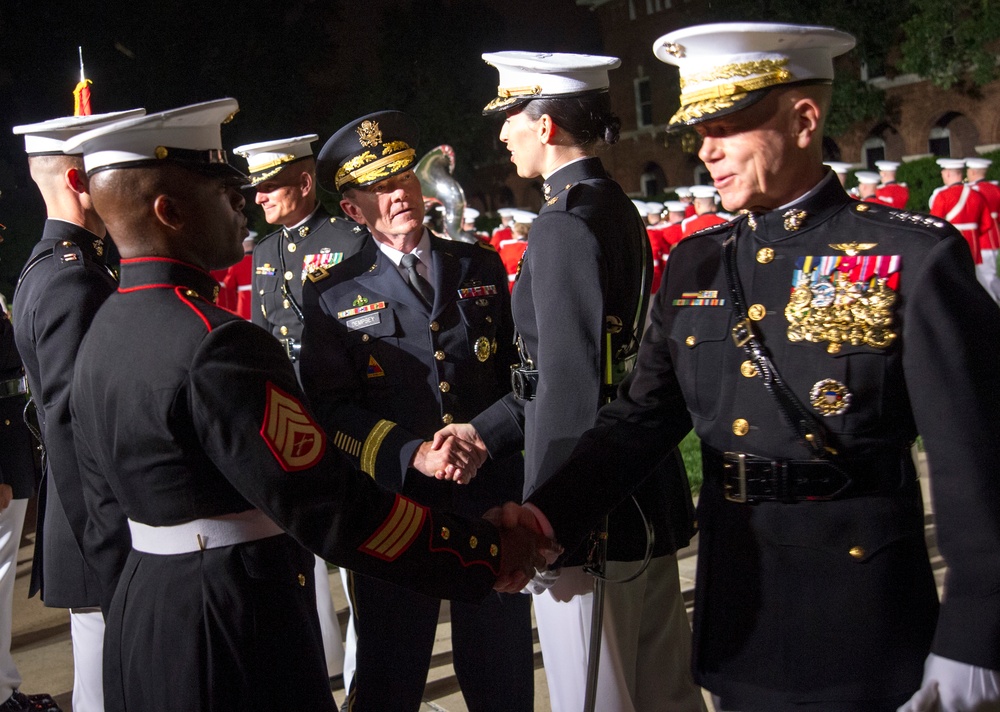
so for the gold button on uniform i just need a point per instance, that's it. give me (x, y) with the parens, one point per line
(439, 355)
(857, 552)
(291, 247)
(302, 580)
(765, 255)
(288, 274)
(365, 338)
(435, 326)
(756, 312)
(494, 550)
(748, 369)
(447, 418)
(445, 533)
(284, 330)
(690, 341)
(741, 427)
(286, 304)
(444, 386)
(473, 542)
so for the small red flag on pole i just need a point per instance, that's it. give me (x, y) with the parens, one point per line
(81, 94)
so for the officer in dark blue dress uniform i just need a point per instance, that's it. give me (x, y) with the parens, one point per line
(809, 342)
(63, 283)
(385, 367)
(206, 444)
(283, 179)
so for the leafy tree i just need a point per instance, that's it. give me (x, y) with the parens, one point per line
(952, 43)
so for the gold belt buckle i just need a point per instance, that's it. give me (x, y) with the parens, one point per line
(742, 333)
(740, 497)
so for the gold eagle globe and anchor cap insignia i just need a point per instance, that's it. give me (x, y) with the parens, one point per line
(368, 150)
(725, 67)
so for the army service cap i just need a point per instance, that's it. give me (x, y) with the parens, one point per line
(189, 136)
(368, 150)
(48, 138)
(541, 75)
(725, 67)
(266, 159)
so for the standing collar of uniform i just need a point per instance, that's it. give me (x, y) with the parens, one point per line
(165, 272)
(64, 230)
(312, 223)
(816, 206)
(573, 172)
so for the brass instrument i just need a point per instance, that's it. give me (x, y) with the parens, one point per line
(442, 191)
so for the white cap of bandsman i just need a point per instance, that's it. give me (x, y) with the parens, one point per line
(703, 191)
(951, 164)
(267, 158)
(642, 207)
(838, 167)
(654, 208)
(675, 206)
(888, 166)
(48, 138)
(469, 214)
(525, 217)
(683, 192)
(978, 162)
(728, 66)
(868, 177)
(540, 75)
(190, 136)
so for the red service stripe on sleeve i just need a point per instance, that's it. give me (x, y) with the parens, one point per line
(397, 532)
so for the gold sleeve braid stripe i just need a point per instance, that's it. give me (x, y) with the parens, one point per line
(398, 530)
(369, 453)
(352, 446)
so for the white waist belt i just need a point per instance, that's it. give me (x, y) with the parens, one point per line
(201, 534)
(965, 226)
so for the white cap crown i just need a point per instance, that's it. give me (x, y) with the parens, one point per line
(536, 75)
(50, 137)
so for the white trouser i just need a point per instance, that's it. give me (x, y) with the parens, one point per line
(351, 639)
(11, 521)
(986, 273)
(645, 647)
(86, 627)
(333, 647)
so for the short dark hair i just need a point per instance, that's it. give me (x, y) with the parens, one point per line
(587, 118)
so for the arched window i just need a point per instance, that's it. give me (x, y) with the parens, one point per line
(954, 134)
(653, 181)
(873, 149)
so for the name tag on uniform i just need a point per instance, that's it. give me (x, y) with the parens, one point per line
(360, 322)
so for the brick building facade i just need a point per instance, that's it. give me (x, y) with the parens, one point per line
(926, 120)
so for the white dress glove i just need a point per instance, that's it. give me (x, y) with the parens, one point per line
(951, 686)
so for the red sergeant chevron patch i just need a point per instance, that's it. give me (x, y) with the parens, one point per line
(295, 440)
(397, 532)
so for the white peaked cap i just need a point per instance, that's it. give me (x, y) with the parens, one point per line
(868, 177)
(654, 208)
(641, 207)
(954, 164)
(703, 191)
(675, 206)
(838, 167)
(886, 165)
(536, 75)
(266, 158)
(470, 214)
(727, 66)
(190, 135)
(978, 162)
(50, 137)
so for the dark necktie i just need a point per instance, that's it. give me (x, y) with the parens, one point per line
(420, 285)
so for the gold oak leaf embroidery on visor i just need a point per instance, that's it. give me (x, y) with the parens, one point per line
(397, 532)
(293, 437)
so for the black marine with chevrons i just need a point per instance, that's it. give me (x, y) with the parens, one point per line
(284, 258)
(210, 417)
(384, 372)
(63, 284)
(833, 545)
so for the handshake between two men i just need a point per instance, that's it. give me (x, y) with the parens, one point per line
(456, 453)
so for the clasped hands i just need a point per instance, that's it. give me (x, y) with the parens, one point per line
(456, 453)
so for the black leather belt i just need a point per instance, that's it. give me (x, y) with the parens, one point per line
(13, 387)
(292, 349)
(747, 478)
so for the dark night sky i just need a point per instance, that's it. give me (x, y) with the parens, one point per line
(296, 66)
